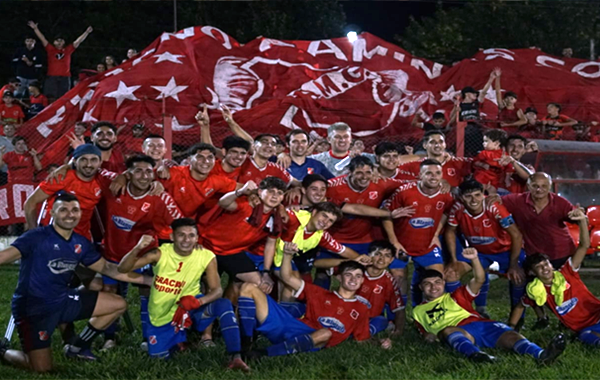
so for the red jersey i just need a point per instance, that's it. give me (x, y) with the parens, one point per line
(343, 317)
(20, 167)
(190, 194)
(116, 162)
(416, 232)
(508, 116)
(250, 171)
(580, 309)
(496, 174)
(485, 231)
(379, 291)
(40, 99)
(516, 184)
(327, 241)
(11, 114)
(88, 194)
(218, 170)
(59, 61)
(129, 144)
(454, 169)
(129, 217)
(355, 229)
(231, 233)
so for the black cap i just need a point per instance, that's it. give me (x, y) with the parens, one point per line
(8, 93)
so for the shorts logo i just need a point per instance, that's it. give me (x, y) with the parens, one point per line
(487, 223)
(77, 248)
(451, 172)
(146, 207)
(373, 195)
(43, 335)
(123, 223)
(421, 223)
(567, 306)
(354, 314)
(440, 205)
(152, 339)
(332, 324)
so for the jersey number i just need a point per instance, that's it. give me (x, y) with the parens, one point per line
(179, 267)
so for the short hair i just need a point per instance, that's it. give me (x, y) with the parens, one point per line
(154, 136)
(295, 132)
(557, 105)
(429, 273)
(510, 94)
(101, 124)
(385, 147)
(531, 109)
(360, 161)
(230, 142)
(63, 196)
(14, 80)
(331, 208)
(429, 161)
(516, 137)
(496, 135)
(82, 124)
(350, 265)
(262, 135)
(533, 260)
(35, 84)
(312, 178)
(272, 182)
(428, 134)
(438, 115)
(16, 139)
(183, 222)
(470, 186)
(139, 158)
(339, 126)
(381, 244)
(199, 147)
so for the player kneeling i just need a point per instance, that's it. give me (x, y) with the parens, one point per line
(452, 318)
(176, 302)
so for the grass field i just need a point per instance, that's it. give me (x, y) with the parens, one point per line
(410, 358)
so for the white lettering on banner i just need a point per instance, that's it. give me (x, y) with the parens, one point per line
(4, 204)
(434, 73)
(399, 56)
(582, 66)
(359, 50)
(18, 201)
(268, 42)
(499, 53)
(208, 30)
(57, 118)
(313, 49)
(544, 59)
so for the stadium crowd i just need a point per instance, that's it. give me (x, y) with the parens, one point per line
(281, 217)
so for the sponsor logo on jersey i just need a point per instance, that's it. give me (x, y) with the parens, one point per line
(332, 324)
(77, 248)
(440, 205)
(421, 223)
(43, 335)
(60, 266)
(123, 223)
(364, 301)
(481, 240)
(567, 306)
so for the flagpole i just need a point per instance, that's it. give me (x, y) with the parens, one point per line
(174, 16)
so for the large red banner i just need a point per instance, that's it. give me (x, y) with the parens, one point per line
(272, 85)
(12, 198)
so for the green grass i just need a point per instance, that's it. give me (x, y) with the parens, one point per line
(410, 358)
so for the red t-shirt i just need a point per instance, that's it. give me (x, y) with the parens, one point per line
(379, 291)
(580, 308)
(40, 99)
(59, 61)
(343, 317)
(416, 232)
(508, 116)
(250, 171)
(353, 229)
(516, 184)
(485, 231)
(12, 114)
(327, 241)
(116, 162)
(129, 217)
(496, 174)
(454, 169)
(20, 167)
(128, 144)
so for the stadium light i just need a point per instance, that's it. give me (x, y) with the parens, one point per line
(352, 36)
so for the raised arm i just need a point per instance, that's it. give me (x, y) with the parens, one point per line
(289, 250)
(584, 237)
(131, 261)
(38, 33)
(498, 89)
(204, 121)
(235, 127)
(487, 86)
(478, 271)
(36, 160)
(30, 207)
(80, 39)
(228, 201)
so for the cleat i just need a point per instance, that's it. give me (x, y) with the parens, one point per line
(238, 364)
(81, 354)
(108, 345)
(555, 348)
(482, 357)
(207, 343)
(144, 346)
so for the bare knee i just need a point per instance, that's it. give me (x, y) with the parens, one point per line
(321, 337)
(248, 289)
(117, 303)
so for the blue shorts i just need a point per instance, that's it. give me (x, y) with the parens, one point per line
(162, 340)
(363, 249)
(111, 281)
(259, 261)
(377, 324)
(280, 325)
(487, 333)
(428, 259)
(502, 258)
(594, 328)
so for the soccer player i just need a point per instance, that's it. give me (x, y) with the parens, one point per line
(176, 301)
(298, 141)
(104, 136)
(563, 291)
(43, 299)
(155, 147)
(450, 317)
(491, 229)
(331, 317)
(417, 235)
(387, 155)
(258, 167)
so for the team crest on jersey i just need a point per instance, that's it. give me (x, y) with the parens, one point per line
(310, 171)
(97, 191)
(487, 223)
(378, 289)
(439, 205)
(373, 195)
(332, 324)
(146, 207)
(481, 240)
(77, 248)
(451, 172)
(427, 208)
(43, 335)
(152, 339)
(130, 210)
(354, 314)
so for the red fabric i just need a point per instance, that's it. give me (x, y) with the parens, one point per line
(454, 169)
(516, 184)
(20, 167)
(12, 198)
(496, 174)
(416, 232)
(545, 232)
(343, 317)
(11, 114)
(116, 162)
(508, 116)
(251, 172)
(380, 291)
(327, 241)
(59, 61)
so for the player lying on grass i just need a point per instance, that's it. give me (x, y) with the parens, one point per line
(563, 291)
(43, 299)
(331, 317)
(379, 287)
(451, 317)
(176, 301)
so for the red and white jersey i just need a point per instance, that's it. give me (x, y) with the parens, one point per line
(218, 170)
(129, 217)
(251, 172)
(343, 317)
(454, 169)
(580, 309)
(486, 231)
(379, 291)
(355, 229)
(416, 232)
(327, 241)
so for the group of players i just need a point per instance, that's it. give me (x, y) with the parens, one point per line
(174, 230)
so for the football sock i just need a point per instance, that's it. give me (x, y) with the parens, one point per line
(452, 286)
(144, 316)
(391, 316)
(462, 344)
(295, 345)
(247, 313)
(525, 347)
(516, 293)
(85, 338)
(481, 299)
(230, 330)
(377, 324)
(588, 337)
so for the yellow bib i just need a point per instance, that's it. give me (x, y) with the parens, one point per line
(537, 291)
(175, 276)
(440, 313)
(303, 244)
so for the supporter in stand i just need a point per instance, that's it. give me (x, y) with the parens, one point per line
(438, 121)
(101, 67)
(509, 116)
(10, 113)
(37, 100)
(533, 127)
(27, 64)
(109, 62)
(554, 122)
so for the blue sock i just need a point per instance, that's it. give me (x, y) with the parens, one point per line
(377, 324)
(302, 343)
(481, 299)
(588, 337)
(415, 292)
(296, 309)
(525, 347)
(391, 316)
(452, 286)
(144, 316)
(247, 313)
(230, 330)
(516, 293)
(462, 344)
